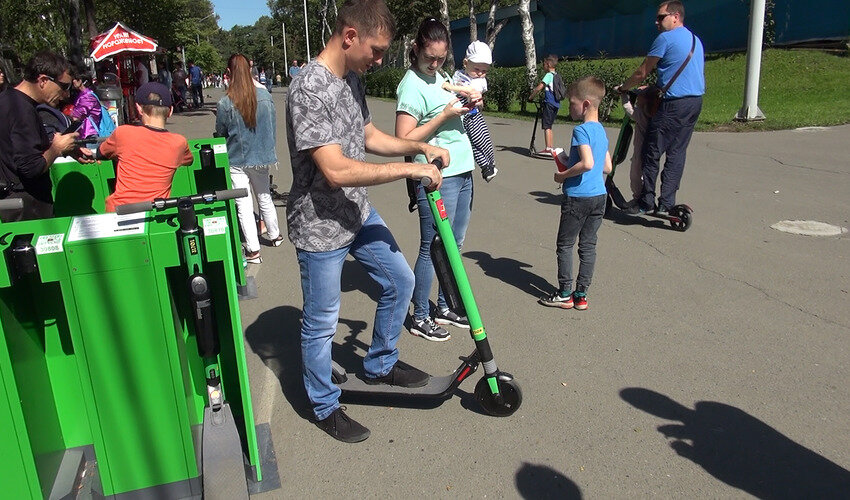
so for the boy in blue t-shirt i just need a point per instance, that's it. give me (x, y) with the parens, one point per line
(551, 105)
(584, 194)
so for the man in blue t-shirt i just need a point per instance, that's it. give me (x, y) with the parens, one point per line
(196, 79)
(669, 130)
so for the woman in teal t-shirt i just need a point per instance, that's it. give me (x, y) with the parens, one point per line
(426, 112)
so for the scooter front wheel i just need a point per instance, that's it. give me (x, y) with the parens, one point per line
(511, 396)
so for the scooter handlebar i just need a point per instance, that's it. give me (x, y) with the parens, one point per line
(426, 181)
(160, 203)
(11, 204)
(229, 194)
(131, 208)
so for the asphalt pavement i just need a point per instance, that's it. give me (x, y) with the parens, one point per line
(710, 363)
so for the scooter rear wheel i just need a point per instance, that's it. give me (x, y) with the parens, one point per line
(684, 215)
(509, 390)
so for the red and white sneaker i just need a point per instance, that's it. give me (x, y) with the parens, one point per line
(580, 301)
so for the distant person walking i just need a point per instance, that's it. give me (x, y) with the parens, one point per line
(293, 70)
(196, 80)
(246, 117)
(678, 55)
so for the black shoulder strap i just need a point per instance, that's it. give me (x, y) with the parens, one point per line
(682, 67)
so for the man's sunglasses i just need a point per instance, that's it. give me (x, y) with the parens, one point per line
(660, 17)
(66, 86)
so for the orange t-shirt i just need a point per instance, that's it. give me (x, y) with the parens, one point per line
(147, 159)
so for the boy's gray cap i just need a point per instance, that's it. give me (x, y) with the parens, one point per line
(479, 52)
(146, 89)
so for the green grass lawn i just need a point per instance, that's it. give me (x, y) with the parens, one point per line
(798, 88)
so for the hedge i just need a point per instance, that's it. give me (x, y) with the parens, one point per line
(507, 86)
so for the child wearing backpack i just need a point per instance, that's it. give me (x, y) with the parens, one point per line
(473, 76)
(554, 92)
(89, 110)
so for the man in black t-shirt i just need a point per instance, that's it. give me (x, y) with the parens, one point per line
(26, 153)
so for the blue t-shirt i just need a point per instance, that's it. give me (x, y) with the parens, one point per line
(195, 75)
(589, 183)
(673, 47)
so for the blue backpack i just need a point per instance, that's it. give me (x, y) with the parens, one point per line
(107, 126)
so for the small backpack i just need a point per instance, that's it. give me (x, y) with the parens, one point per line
(107, 126)
(559, 90)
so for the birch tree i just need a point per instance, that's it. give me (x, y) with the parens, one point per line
(444, 17)
(473, 24)
(493, 28)
(528, 42)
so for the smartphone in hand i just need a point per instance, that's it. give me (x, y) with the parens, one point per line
(73, 127)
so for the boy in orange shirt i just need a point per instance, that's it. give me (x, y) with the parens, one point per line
(147, 154)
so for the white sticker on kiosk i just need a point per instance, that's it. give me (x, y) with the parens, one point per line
(49, 243)
(215, 225)
(219, 148)
(89, 227)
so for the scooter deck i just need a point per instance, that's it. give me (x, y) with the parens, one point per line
(540, 156)
(223, 468)
(436, 386)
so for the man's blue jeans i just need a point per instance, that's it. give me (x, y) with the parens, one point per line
(457, 198)
(375, 248)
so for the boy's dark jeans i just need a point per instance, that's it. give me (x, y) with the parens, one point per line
(580, 217)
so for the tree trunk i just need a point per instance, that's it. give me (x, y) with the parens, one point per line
(326, 28)
(530, 51)
(75, 45)
(444, 17)
(407, 45)
(473, 24)
(493, 28)
(90, 19)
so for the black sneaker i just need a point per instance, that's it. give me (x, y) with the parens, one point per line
(426, 329)
(448, 317)
(342, 427)
(488, 172)
(402, 375)
(662, 211)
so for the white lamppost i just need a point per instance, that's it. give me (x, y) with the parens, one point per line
(750, 110)
(306, 31)
(285, 58)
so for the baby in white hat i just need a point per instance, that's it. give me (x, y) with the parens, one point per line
(476, 64)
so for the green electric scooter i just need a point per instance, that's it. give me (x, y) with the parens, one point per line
(223, 470)
(497, 392)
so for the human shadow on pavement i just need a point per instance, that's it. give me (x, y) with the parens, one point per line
(741, 450)
(275, 337)
(512, 272)
(535, 481)
(520, 150)
(547, 197)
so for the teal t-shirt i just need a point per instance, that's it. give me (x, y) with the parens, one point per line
(422, 97)
(589, 183)
(548, 94)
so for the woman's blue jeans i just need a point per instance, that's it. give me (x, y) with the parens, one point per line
(376, 250)
(457, 198)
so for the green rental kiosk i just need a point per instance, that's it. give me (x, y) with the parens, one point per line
(102, 388)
